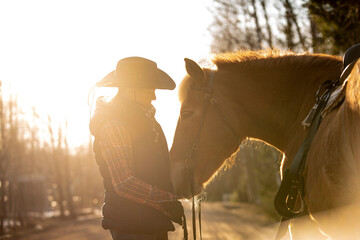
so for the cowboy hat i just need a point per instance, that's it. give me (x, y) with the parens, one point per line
(137, 72)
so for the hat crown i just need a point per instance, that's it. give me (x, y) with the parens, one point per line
(135, 69)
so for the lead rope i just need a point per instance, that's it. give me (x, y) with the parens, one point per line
(193, 214)
(193, 211)
(194, 218)
(200, 219)
(184, 227)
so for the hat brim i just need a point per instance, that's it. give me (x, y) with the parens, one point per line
(161, 81)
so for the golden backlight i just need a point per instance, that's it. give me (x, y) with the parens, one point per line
(53, 52)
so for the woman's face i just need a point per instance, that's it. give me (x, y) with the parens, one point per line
(144, 96)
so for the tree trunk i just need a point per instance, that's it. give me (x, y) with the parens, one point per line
(268, 28)
(67, 176)
(314, 37)
(292, 15)
(288, 29)
(3, 214)
(68, 189)
(2, 165)
(258, 29)
(58, 169)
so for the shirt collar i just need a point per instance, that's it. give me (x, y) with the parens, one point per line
(149, 111)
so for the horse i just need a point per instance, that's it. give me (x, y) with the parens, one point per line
(265, 95)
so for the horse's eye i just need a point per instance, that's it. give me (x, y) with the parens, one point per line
(186, 114)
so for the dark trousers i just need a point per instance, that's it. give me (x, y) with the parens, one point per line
(126, 236)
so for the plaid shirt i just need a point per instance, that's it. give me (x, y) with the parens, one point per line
(116, 150)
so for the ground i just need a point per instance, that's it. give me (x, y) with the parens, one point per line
(220, 221)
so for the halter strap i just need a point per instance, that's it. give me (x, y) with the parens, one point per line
(208, 96)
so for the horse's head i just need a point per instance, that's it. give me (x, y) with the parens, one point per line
(203, 138)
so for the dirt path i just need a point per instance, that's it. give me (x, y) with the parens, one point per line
(220, 222)
(230, 222)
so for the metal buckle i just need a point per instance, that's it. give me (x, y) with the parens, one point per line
(290, 189)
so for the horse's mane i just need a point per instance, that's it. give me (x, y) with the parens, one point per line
(271, 58)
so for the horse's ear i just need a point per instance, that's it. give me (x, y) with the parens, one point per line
(194, 70)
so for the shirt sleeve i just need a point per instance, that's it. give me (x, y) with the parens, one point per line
(116, 150)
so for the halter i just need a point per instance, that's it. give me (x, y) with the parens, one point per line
(209, 99)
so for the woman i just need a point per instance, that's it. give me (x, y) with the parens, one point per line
(132, 154)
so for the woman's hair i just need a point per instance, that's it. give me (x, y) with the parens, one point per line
(98, 96)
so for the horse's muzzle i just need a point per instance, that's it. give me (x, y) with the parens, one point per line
(183, 181)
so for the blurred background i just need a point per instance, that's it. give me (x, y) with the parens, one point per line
(53, 52)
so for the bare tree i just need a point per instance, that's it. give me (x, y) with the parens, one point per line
(67, 175)
(336, 24)
(254, 15)
(288, 30)
(3, 165)
(291, 17)
(36, 173)
(268, 28)
(225, 27)
(56, 158)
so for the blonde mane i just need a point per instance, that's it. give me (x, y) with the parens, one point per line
(272, 58)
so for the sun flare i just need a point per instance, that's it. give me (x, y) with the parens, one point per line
(51, 61)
